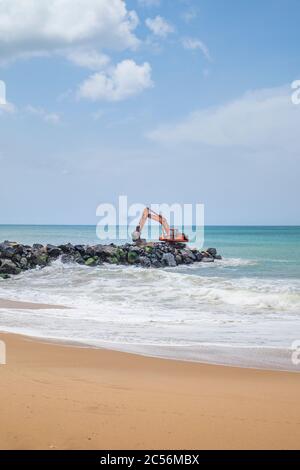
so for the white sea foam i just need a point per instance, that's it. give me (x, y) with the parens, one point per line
(219, 264)
(236, 262)
(159, 310)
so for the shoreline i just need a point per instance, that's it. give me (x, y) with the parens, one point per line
(63, 397)
(140, 352)
(16, 304)
(204, 354)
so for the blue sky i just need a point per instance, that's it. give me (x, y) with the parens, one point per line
(164, 101)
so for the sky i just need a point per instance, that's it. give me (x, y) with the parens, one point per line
(165, 101)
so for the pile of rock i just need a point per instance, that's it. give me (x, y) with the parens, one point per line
(15, 257)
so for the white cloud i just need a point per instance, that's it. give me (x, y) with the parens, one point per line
(88, 58)
(196, 44)
(35, 27)
(259, 121)
(159, 26)
(125, 80)
(52, 118)
(7, 108)
(78, 30)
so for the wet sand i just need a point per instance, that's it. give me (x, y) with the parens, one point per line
(4, 303)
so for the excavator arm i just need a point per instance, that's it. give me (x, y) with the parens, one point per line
(150, 214)
(168, 235)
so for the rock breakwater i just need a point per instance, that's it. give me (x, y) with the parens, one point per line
(16, 258)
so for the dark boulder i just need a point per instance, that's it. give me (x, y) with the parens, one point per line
(37, 246)
(7, 251)
(80, 249)
(168, 259)
(23, 263)
(212, 251)
(105, 252)
(77, 258)
(8, 267)
(133, 257)
(91, 261)
(156, 263)
(53, 251)
(145, 262)
(66, 258)
(37, 257)
(91, 251)
(4, 276)
(178, 259)
(67, 249)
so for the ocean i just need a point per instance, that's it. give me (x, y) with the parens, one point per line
(241, 311)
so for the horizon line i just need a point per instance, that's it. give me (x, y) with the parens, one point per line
(95, 225)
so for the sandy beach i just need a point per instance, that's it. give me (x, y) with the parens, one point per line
(61, 397)
(4, 303)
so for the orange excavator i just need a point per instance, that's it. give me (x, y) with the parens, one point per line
(169, 235)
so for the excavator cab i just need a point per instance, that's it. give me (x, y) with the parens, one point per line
(175, 237)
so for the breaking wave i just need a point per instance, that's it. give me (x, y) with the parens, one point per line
(183, 309)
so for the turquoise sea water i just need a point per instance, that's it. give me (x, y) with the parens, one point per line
(243, 310)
